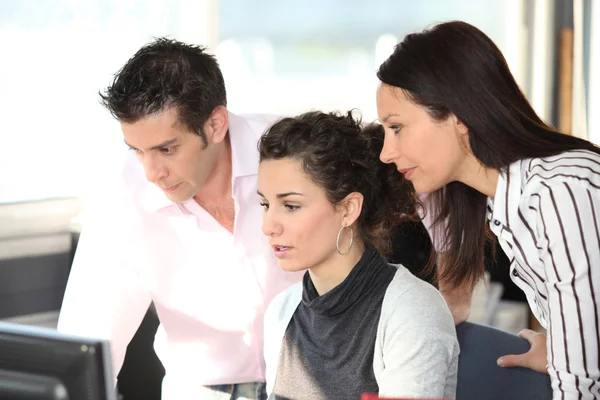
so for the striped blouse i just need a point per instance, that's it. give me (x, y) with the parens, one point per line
(546, 214)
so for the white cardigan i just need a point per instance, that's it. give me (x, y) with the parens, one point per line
(416, 349)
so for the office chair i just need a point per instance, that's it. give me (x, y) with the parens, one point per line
(480, 378)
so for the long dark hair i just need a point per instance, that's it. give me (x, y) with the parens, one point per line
(454, 68)
(342, 157)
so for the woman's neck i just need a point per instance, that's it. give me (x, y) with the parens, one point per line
(474, 174)
(334, 270)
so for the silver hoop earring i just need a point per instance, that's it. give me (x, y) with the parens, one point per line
(337, 242)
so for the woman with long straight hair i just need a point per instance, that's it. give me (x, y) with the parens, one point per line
(460, 129)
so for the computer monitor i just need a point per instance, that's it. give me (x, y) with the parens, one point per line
(43, 364)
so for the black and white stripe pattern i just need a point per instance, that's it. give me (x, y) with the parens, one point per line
(546, 214)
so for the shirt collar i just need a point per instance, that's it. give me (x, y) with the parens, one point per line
(503, 208)
(244, 162)
(244, 151)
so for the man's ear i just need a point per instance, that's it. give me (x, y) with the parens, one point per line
(217, 125)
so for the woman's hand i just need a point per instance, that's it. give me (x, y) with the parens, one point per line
(536, 358)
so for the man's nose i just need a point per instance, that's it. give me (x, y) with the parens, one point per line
(154, 169)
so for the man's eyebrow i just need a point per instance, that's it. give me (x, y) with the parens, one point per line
(166, 143)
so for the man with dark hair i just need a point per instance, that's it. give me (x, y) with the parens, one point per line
(186, 236)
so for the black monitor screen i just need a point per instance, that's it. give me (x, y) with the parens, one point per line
(42, 364)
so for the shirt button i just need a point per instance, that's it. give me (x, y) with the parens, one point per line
(515, 272)
(496, 222)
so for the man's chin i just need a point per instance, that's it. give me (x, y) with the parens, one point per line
(178, 197)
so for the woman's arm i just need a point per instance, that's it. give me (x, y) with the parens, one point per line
(276, 319)
(458, 298)
(568, 222)
(419, 348)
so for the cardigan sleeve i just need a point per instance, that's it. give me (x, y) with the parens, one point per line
(277, 317)
(417, 350)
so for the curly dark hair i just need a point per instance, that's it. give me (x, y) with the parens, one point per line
(167, 73)
(342, 158)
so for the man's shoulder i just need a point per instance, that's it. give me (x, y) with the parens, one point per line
(261, 118)
(119, 186)
(256, 123)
